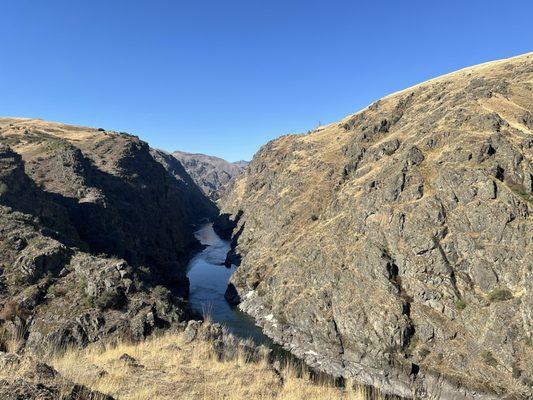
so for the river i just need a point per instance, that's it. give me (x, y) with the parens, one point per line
(209, 278)
(208, 281)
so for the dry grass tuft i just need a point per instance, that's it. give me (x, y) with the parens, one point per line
(166, 367)
(13, 339)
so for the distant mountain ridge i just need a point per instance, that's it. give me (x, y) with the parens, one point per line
(210, 173)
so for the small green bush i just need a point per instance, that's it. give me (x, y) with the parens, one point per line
(521, 191)
(17, 278)
(110, 299)
(5, 267)
(56, 291)
(500, 294)
(87, 301)
(460, 304)
(56, 144)
(488, 358)
(81, 283)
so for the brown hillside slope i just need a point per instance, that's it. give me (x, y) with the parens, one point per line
(395, 246)
(94, 235)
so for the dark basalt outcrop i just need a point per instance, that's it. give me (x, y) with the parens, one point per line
(95, 233)
(395, 247)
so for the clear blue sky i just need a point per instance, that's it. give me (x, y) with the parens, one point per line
(224, 77)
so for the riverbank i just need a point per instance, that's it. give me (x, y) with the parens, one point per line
(225, 356)
(208, 280)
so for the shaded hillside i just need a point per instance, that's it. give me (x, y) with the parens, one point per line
(94, 235)
(395, 246)
(211, 173)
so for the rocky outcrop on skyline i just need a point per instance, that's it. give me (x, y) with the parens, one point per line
(395, 247)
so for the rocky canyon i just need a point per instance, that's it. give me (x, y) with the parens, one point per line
(392, 249)
(395, 246)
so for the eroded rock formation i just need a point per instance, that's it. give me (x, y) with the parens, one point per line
(95, 233)
(396, 246)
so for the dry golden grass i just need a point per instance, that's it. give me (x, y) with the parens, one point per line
(11, 342)
(169, 368)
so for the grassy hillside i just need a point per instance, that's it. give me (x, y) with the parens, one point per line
(168, 367)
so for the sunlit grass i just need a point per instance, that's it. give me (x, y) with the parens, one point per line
(169, 368)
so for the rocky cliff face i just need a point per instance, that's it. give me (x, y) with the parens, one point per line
(211, 173)
(396, 246)
(95, 231)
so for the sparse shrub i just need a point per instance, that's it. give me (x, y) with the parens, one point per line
(500, 294)
(11, 339)
(17, 278)
(413, 342)
(55, 291)
(110, 299)
(424, 352)
(71, 286)
(56, 144)
(488, 358)
(81, 284)
(4, 338)
(87, 301)
(460, 304)
(521, 192)
(11, 310)
(391, 349)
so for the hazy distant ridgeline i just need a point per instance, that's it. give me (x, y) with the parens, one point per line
(211, 173)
